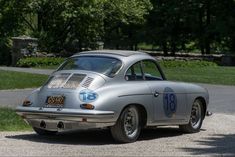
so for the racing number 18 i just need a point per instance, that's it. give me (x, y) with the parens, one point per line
(170, 99)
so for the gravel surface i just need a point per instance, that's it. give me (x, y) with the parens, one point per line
(217, 137)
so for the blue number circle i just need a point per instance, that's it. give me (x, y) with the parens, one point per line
(87, 95)
(169, 102)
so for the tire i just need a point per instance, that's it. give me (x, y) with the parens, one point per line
(44, 132)
(196, 118)
(127, 128)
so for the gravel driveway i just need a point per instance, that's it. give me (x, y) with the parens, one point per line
(217, 137)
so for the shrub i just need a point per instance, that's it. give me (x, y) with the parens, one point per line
(40, 61)
(184, 63)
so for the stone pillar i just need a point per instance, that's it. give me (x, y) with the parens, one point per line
(100, 45)
(23, 46)
(228, 60)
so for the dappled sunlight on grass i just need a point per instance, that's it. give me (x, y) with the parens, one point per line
(210, 75)
(19, 80)
(10, 121)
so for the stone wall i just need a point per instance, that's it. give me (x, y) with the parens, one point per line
(23, 46)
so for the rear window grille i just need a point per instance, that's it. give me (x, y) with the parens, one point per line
(66, 81)
(58, 80)
(74, 81)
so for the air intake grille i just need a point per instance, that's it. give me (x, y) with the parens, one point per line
(87, 82)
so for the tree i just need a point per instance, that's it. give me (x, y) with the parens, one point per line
(10, 25)
(207, 23)
(123, 21)
(166, 25)
(64, 24)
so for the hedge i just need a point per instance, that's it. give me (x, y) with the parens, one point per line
(40, 61)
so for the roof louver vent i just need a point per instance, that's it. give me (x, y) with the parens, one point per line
(87, 82)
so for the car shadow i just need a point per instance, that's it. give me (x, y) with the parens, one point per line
(94, 137)
(217, 144)
(156, 133)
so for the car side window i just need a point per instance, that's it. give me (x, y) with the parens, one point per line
(134, 73)
(151, 71)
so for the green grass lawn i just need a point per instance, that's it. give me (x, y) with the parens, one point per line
(211, 75)
(10, 121)
(18, 80)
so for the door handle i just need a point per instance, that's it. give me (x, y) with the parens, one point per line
(156, 94)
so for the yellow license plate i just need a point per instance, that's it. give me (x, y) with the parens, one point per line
(55, 100)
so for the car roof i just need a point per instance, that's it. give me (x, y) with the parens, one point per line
(124, 53)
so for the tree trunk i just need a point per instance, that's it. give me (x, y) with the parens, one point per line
(208, 22)
(173, 47)
(80, 45)
(201, 34)
(39, 21)
(117, 41)
(164, 47)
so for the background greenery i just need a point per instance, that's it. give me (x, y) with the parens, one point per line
(40, 62)
(68, 26)
(10, 121)
(175, 70)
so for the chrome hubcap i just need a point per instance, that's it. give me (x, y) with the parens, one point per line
(131, 122)
(196, 115)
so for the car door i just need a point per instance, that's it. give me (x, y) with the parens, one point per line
(169, 98)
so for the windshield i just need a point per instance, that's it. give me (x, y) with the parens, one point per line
(104, 65)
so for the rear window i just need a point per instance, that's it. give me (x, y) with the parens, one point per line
(105, 65)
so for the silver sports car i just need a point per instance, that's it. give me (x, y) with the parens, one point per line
(122, 90)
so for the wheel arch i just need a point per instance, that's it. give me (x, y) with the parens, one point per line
(142, 110)
(203, 104)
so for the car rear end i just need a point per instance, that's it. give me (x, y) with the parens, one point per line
(67, 101)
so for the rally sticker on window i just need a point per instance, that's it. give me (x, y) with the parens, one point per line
(169, 102)
(87, 95)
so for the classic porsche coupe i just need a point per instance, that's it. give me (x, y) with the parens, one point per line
(121, 90)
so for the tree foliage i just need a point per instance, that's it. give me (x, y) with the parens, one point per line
(72, 25)
(207, 23)
(9, 26)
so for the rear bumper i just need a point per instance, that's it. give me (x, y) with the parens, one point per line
(71, 118)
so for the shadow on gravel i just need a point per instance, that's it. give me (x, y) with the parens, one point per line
(155, 133)
(94, 137)
(217, 144)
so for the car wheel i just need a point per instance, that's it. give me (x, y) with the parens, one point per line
(196, 118)
(127, 128)
(44, 132)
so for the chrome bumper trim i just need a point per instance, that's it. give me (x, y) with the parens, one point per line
(77, 115)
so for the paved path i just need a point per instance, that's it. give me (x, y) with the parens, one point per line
(12, 98)
(217, 137)
(28, 70)
(222, 98)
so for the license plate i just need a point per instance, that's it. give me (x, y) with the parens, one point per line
(55, 101)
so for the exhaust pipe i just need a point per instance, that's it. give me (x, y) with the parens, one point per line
(60, 125)
(43, 124)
